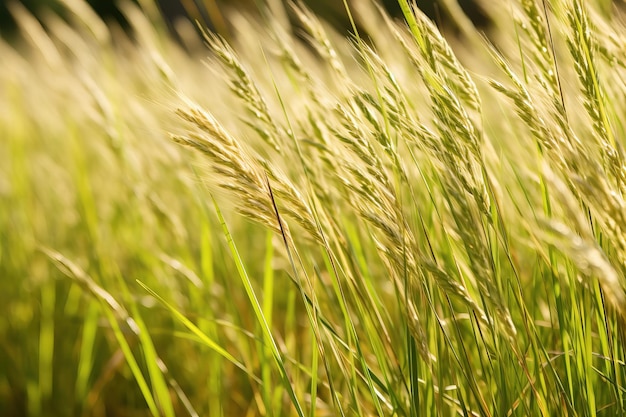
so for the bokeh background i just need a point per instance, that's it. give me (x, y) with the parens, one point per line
(211, 12)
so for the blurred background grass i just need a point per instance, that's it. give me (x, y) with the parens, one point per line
(211, 12)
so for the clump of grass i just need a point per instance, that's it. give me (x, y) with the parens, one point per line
(382, 225)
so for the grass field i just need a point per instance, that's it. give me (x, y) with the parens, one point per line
(313, 224)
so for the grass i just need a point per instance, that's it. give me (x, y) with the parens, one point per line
(399, 223)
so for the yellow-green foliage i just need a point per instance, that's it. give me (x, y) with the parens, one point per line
(399, 225)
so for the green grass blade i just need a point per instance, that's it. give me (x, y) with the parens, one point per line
(258, 311)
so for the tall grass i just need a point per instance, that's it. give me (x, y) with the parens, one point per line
(392, 223)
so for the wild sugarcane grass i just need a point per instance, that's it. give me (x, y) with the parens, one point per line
(382, 225)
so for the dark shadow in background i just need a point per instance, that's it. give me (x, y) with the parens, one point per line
(330, 10)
